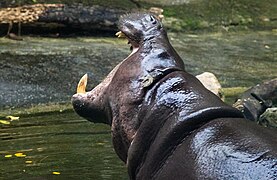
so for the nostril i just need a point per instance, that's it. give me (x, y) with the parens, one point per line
(77, 103)
(75, 98)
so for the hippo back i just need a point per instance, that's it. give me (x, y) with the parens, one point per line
(191, 134)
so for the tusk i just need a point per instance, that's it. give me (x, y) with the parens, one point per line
(120, 34)
(82, 84)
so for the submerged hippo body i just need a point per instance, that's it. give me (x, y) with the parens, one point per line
(165, 124)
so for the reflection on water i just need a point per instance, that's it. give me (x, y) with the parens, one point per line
(59, 143)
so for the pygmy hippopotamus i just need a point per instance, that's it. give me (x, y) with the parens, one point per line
(165, 123)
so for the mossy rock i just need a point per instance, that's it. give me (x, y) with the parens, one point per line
(269, 118)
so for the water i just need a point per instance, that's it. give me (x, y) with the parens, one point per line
(63, 143)
(237, 59)
(41, 70)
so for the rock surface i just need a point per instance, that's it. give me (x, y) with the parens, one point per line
(210, 82)
(269, 117)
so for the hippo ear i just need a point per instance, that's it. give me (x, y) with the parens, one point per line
(156, 20)
(153, 19)
(150, 18)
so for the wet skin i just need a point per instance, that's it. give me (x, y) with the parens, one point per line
(165, 124)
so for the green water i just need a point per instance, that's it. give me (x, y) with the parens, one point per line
(237, 59)
(63, 143)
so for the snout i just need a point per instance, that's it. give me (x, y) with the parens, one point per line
(78, 102)
(91, 104)
(81, 105)
(85, 106)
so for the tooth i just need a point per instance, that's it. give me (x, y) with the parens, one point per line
(120, 34)
(82, 84)
(117, 34)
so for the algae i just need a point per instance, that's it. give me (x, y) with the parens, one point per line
(231, 94)
(37, 110)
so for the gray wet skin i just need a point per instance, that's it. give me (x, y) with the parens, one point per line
(165, 124)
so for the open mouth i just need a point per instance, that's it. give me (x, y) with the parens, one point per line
(81, 88)
(133, 47)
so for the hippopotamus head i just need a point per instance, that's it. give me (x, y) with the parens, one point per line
(117, 100)
(139, 27)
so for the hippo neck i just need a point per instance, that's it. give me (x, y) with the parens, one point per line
(155, 34)
(158, 49)
(158, 40)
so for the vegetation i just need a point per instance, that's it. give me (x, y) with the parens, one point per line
(195, 15)
(227, 14)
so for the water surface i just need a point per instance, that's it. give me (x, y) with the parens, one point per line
(58, 143)
(41, 70)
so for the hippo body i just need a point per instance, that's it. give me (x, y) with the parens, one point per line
(191, 134)
(166, 124)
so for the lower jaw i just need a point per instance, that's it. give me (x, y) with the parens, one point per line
(135, 49)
